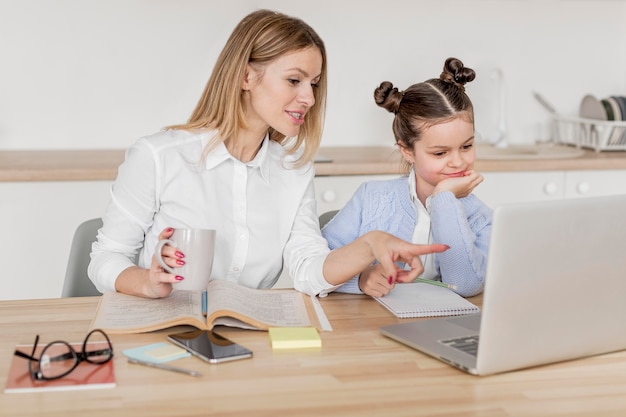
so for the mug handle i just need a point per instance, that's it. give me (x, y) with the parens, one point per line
(159, 256)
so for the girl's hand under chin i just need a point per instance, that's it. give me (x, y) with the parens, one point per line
(460, 186)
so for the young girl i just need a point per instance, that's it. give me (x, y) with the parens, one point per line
(434, 129)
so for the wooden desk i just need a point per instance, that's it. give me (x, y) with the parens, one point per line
(358, 372)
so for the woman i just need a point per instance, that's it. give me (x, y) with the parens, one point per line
(241, 165)
(434, 129)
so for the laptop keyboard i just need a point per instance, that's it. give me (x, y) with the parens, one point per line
(467, 344)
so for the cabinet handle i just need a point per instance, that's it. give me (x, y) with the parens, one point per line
(550, 188)
(329, 196)
(583, 187)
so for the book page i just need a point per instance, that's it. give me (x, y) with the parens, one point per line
(118, 311)
(274, 308)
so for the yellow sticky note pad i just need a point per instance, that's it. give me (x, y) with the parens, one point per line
(294, 337)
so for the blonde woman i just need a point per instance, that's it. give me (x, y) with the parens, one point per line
(241, 165)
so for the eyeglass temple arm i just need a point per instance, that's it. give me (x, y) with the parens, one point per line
(25, 355)
(52, 359)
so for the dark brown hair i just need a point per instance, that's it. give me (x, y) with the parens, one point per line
(425, 104)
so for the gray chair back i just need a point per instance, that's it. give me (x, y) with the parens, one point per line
(326, 217)
(77, 283)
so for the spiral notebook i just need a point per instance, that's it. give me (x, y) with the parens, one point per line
(418, 299)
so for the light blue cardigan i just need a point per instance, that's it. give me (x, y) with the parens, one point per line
(464, 224)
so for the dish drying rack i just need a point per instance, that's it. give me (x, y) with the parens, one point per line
(599, 135)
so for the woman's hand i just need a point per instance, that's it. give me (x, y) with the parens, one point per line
(388, 249)
(460, 186)
(345, 262)
(153, 282)
(159, 280)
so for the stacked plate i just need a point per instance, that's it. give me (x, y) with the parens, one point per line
(612, 108)
(609, 132)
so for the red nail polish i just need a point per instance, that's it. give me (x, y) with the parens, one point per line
(179, 278)
(179, 254)
(390, 279)
(169, 229)
(180, 262)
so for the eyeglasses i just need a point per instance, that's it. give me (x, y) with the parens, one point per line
(59, 358)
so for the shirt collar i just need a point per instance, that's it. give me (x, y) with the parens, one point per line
(260, 161)
(413, 193)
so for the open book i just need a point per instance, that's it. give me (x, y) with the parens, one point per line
(227, 304)
(417, 299)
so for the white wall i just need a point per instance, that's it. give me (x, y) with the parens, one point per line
(98, 74)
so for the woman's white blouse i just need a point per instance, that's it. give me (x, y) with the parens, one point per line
(263, 212)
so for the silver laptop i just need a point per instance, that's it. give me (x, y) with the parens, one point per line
(555, 290)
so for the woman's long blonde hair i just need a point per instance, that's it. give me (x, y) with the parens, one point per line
(258, 39)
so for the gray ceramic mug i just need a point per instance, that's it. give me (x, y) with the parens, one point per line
(198, 245)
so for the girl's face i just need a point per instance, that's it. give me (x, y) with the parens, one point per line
(446, 150)
(281, 93)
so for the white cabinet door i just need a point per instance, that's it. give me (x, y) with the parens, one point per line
(40, 220)
(516, 187)
(333, 192)
(594, 183)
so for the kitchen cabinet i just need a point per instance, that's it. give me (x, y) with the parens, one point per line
(513, 187)
(594, 183)
(333, 192)
(39, 223)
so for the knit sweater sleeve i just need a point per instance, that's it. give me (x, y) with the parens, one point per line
(465, 225)
(376, 205)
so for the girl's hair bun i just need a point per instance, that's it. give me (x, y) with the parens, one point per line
(388, 97)
(455, 73)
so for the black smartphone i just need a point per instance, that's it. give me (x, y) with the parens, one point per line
(209, 346)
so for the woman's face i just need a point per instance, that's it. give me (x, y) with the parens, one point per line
(281, 93)
(446, 150)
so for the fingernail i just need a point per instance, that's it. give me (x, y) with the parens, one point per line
(169, 229)
(390, 279)
(179, 278)
(180, 262)
(179, 254)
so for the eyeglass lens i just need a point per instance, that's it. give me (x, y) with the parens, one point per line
(56, 360)
(97, 347)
